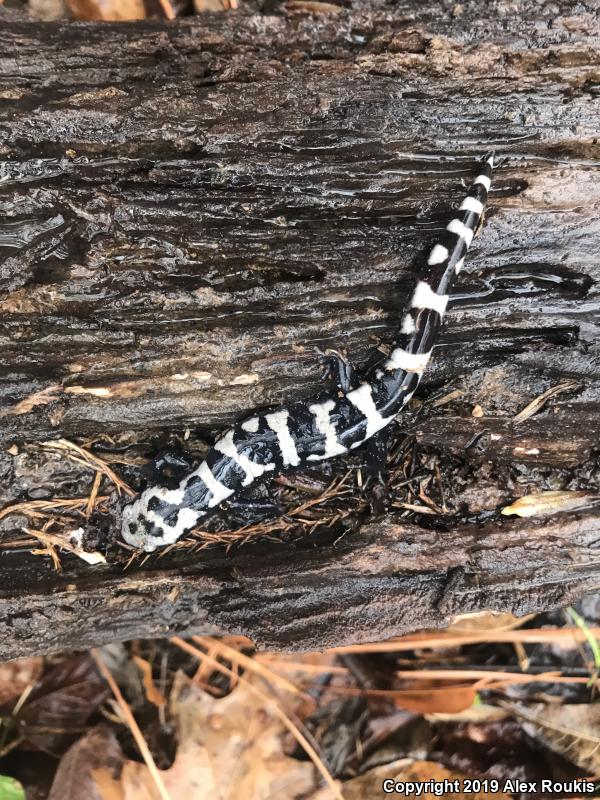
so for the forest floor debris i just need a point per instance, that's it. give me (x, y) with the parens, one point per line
(213, 717)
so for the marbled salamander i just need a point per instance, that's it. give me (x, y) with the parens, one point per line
(265, 444)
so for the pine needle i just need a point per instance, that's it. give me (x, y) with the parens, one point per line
(133, 726)
(251, 664)
(81, 456)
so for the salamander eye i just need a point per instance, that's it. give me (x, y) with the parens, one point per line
(154, 503)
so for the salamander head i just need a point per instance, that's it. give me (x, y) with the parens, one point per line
(154, 520)
(138, 531)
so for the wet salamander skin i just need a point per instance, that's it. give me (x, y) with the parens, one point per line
(265, 444)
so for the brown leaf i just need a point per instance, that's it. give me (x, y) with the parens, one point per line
(229, 748)
(60, 704)
(239, 730)
(370, 784)
(312, 7)
(107, 10)
(108, 787)
(16, 676)
(477, 713)
(436, 700)
(97, 753)
(535, 405)
(544, 504)
(572, 730)
(209, 5)
(486, 621)
(191, 776)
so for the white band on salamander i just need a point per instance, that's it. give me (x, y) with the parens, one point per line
(460, 229)
(408, 325)
(219, 491)
(251, 425)
(277, 421)
(484, 181)
(409, 362)
(438, 255)
(362, 399)
(425, 297)
(471, 204)
(227, 446)
(325, 426)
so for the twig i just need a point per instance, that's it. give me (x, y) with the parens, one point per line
(32, 507)
(497, 677)
(167, 9)
(49, 545)
(279, 662)
(590, 638)
(536, 404)
(93, 494)
(133, 726)
(284, 523)
(415, 508)
(505, 677)
(250, 664)
(563, 636)
(448, 398)
(51, 540)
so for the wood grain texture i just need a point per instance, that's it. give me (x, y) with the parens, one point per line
(187, 210)
(389, 578)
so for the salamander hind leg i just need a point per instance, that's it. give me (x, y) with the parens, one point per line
(251, 506)
(375, 471)
(337, 368)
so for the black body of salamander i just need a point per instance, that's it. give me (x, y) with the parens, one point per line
(265, 444)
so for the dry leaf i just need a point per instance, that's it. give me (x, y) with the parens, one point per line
(153, 695)
(108, 787)
(60, 704)
(16, 676)
(486, 621)
(107, 10)
(477, 713)
(571, 730)
(209, 5)
(436, 699)
(370, 784)
(191, 777)
(229, 748)
(547, 503)
(47, 10)
(75, 779)
(312, 7)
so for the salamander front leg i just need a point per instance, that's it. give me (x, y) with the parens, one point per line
(168, 468)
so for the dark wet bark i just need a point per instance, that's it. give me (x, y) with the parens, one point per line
(188, 210)
(389, 578)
